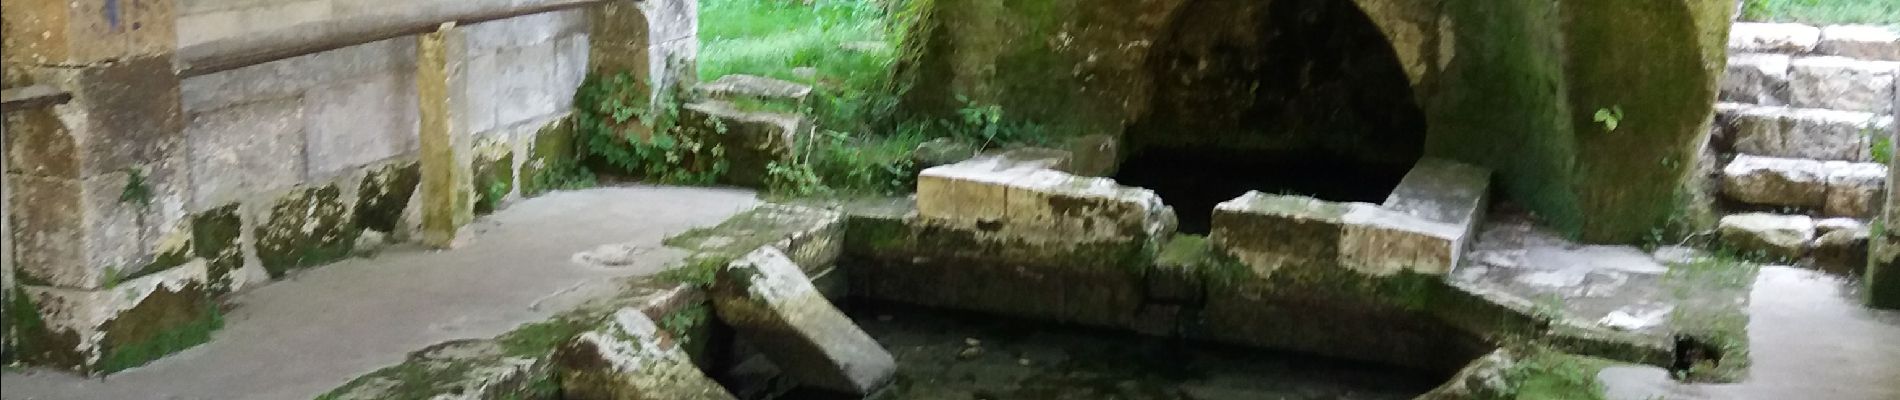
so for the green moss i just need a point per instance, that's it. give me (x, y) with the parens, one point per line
(307, 228)
(1628, 179)
(165, 322)
(32, 341)
(215, 239)
(175, 255)
(383, 195)
(539, 338)
(1552, 375)
(552, 164)
(493, 179)
(1711, 297)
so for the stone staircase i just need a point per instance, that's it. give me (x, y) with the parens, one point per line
(1801, 114)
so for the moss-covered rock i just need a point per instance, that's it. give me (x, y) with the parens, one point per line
(307, 228)
(494, 178)
(384, 193)
(551, 151)
(215, 238)
(108, 330)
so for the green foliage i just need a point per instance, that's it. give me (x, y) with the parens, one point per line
(561, 174)
(681, 323)
(699, 271)
(1609, 117)
(620, 128)
(1879, 12)
(1547, 374)
(1879, 144)
(136, 191)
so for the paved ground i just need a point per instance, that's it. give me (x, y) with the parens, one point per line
(298, 338)
(1809, 339)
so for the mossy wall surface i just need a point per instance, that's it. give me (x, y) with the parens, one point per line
(1511, 86)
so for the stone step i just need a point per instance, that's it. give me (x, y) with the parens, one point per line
(1787, 132)
(1865, 42)
(750, 88)
(1837, 188)
(1841, 83)
(1833, 244)
(1755, 37)
(1756, 78)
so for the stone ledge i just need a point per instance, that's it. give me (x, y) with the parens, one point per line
(107, 330)
(1751, 37)
(1023, 192)
(1865, 42)
(1788, 132)
(1835, 188)
(1756, 79)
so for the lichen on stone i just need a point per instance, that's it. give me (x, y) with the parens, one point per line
(307, 228)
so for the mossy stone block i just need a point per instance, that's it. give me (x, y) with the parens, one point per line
(306, 228)
(215, 238)
(494, 179)
(384, 193)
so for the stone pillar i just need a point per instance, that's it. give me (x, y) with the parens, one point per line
(655, 41)
(101, 243)
(1883, 268)
(446, 203)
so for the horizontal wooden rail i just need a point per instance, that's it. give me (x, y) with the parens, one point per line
(225, 62)
(35, 96)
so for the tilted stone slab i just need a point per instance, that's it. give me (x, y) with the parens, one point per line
(1751, 37)
(1840, 83)
(1866, 42)
(1268, 232)
(630, 358)
(1756, 79)
(1798, 132)
(1785, 236)
(771, 303)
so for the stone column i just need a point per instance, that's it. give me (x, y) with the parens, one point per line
(101, 243)
(1883, 275)
(446, 204)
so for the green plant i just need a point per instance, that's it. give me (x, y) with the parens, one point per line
(136, 191)
(699, 271)
(561, 175)
(1879, 143)
(680, 323)
(1609, 117)
(620, 128)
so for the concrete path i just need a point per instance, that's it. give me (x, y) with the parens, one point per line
(298, 338)
(1809, 339)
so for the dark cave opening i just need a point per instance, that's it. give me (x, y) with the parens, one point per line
(1282, 96)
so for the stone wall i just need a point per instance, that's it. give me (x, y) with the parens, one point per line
(136, 205)
(1513, 86)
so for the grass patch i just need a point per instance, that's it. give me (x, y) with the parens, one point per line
(1824, 12)
(1549, 374)
(1711, 296)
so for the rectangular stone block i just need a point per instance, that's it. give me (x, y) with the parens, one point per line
(122, 115)
(127, 325)
(356, 123)
(630, 358)
(1775, 181)
(291, 77)
(1854, 189)
(38, 144)
(52, 32)
(72, 233)
(1752, 37)
(671, 20)
(619, 41)
(245, 150)
(1800, 133)
(1267, 232)
(1840, 83)
(1381, 242)
(525, 30)
(1756, 79)
(766, 298)
(1443, 191)
(1866, 42)
(978, 189)
(305, 228)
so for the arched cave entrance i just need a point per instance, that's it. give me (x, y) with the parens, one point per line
(1281, 96)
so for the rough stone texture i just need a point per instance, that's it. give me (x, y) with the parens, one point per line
(1826, 226)
(1776, 181)
(73, 33)
(1842, 251)
(631, 358)
(756, 88)
(383, 195)
(766, 298)
(104, 331)
(216, 238)
(753, 139)
(1753, 37)
(1021, 189)
(245, 149)
(456, 370)
(1865, 42)
(306, 228)
(71, 233)
(1756, 79)
(1784, 236)
(1840, 83)
(812, 237)
(1443, 191)
(1802, 133)
(355, 123)
(1854, 189)
(446, 203)
(1269, 232)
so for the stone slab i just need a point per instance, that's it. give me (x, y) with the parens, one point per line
(766, 298)
(1784, 236)
(1756, 79)
(1841, 83)
(1854, 189)
(759, 88)
(1752, 37)
(1866, 42)
(1799, 132)
(1269, 232)
(631, 358)
(127, 325)
(1775, 181)
(355, 123)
